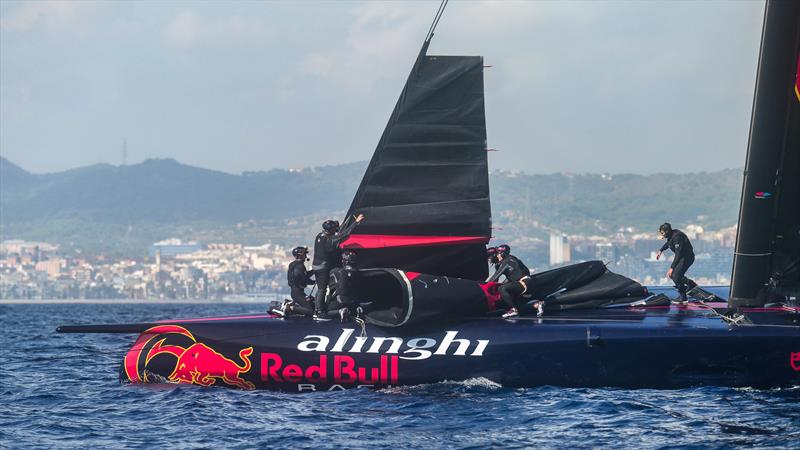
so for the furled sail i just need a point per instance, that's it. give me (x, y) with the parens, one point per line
(425, 193)
(767, 259)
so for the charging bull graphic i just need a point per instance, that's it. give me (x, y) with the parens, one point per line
(794, 361)
(196, 364)
(797, 80)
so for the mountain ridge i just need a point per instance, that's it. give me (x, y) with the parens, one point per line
(165, 196)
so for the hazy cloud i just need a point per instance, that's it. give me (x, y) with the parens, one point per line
(377, 35)
(53, 15)
(186, 30)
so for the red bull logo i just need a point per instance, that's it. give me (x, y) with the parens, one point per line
(794, 361)
(797, 80)
(492, 292)
(195, 364)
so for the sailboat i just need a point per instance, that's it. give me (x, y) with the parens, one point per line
(432, 317)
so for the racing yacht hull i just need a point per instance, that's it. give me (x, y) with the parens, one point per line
(633, 347)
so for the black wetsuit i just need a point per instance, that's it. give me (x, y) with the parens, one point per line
(299, 277)
(516, 273)
(326, 257)
(684, 258)
(495, 266)
(346, 282)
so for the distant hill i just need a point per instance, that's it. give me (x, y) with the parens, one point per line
(109, 207)
(602, 204)
(165, 191)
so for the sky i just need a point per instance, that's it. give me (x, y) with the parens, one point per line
(614, 87)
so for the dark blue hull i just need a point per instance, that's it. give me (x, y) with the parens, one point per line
(649, 347)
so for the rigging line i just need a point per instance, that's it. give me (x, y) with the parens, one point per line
(738, 319)
(440, 16)
(436, 18)
(430, 29)
(444, 5)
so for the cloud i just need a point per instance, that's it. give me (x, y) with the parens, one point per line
(379, 36)
(383, 36)
(494, 16)
(188, 30)
(53, 15)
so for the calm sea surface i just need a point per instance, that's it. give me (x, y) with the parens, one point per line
(62, 391)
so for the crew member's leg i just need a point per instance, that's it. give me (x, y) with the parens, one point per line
(689, 282)
(301, 304)
(509, 292)
(679, 279)
(322, 288)
(346, 307)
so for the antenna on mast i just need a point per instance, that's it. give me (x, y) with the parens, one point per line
(124, 152)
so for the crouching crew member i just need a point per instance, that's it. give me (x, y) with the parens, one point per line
(516, 279)
(299, 277)
(326, 257)
(684, 258)
(491, 256)
(345, 281)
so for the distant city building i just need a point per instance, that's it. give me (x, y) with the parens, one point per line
(712, 266)
(643, 247)
(19, 247)
(693, 231)
(559, 249)
(172, 247)
(224, 247)
(606, 252)
(52, 267)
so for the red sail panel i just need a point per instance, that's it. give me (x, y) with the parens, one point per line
(385, 241)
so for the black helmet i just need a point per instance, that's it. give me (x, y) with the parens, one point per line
(503, 249)
(300, 252)
(348, 257)
(665, 229)
(330, 226)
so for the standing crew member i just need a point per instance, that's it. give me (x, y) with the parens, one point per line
(299, 277)
(684, 258)
(517, 275)
(326, 257)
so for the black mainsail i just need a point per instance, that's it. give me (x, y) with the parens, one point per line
(425, 193)
(768, 240)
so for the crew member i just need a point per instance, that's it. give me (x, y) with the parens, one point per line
(299, 277)
(346, 280)
(326, 257)
(516, 275)
(684, 258)
(491, 256)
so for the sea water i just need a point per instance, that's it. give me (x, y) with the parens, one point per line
(62, 391)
